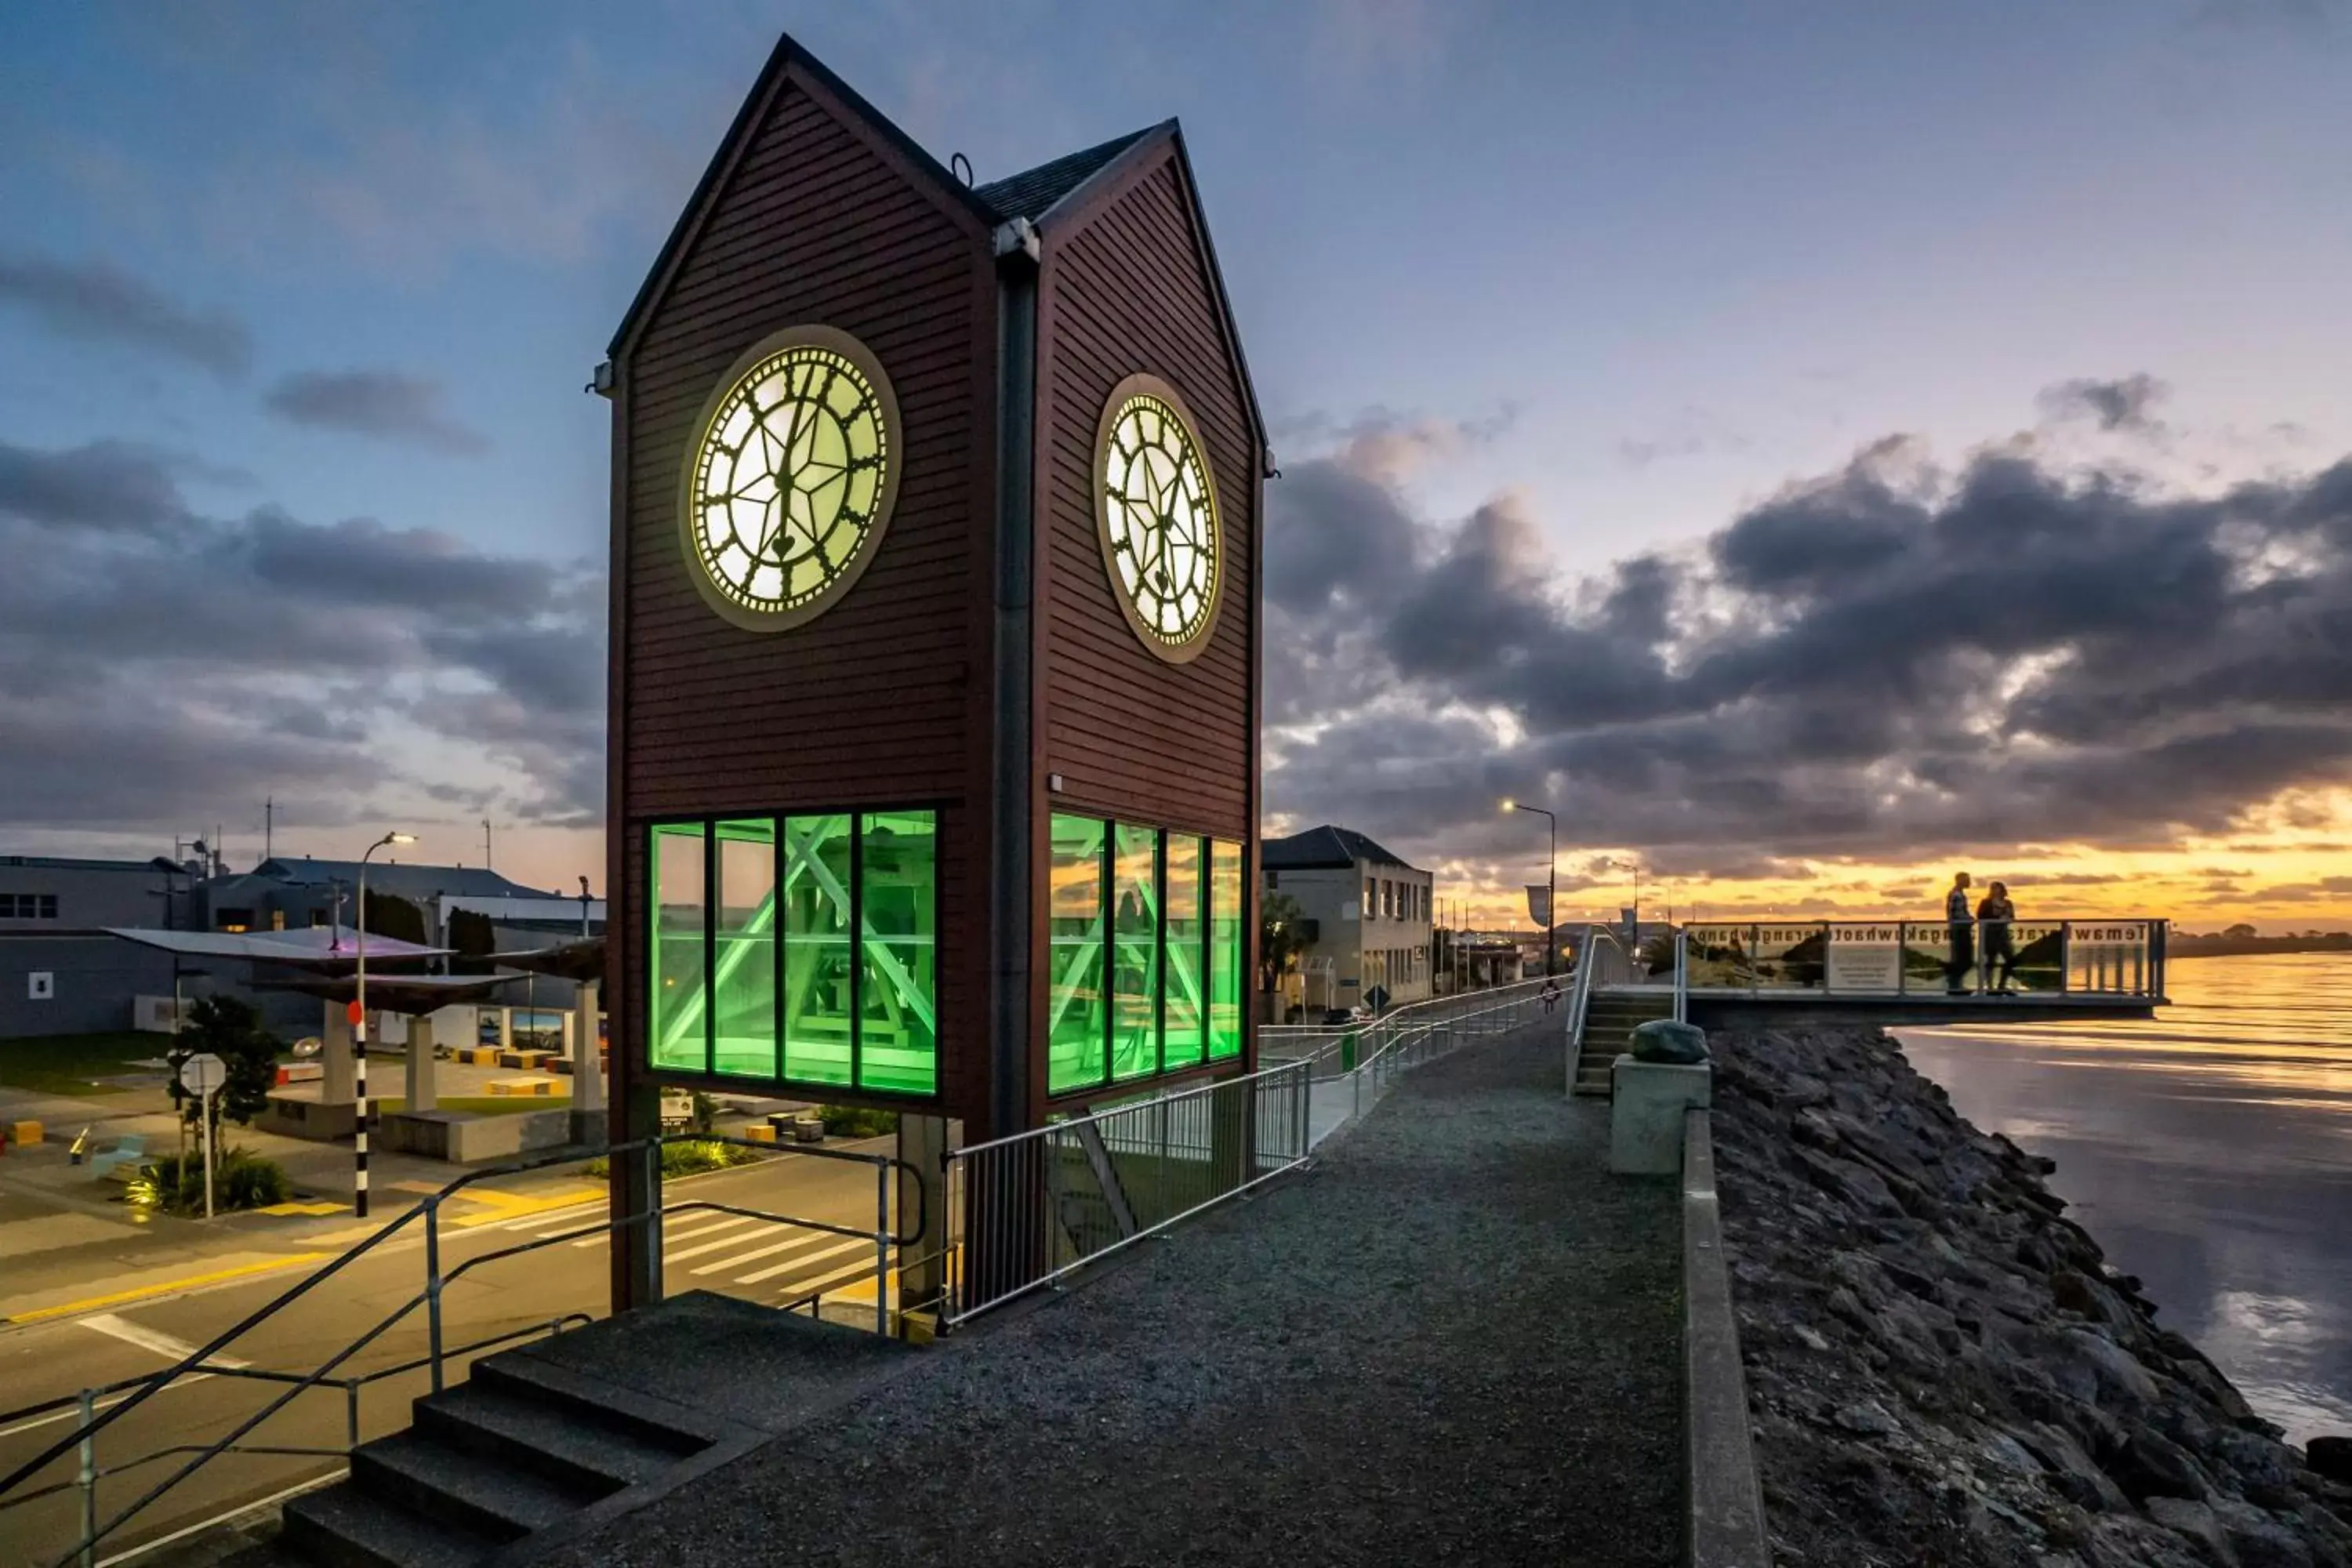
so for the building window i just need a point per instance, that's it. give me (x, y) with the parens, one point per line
(29, 906)
(842, 994)
(278, 920)
(1147, 935)
(234, 922)
(1078, 1030)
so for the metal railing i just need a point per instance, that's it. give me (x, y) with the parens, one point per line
(2103, 958)
(1347, 1044)
(1037, 1204)
(1602, 961)
(1682, 977)
(424, 1217)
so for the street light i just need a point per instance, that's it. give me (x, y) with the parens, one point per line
(359, 1037)
(1551, 885)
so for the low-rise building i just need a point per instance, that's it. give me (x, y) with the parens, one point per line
(1370, 916)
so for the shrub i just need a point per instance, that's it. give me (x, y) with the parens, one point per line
(684, 1159)
(242, 1179)
(856, 1121)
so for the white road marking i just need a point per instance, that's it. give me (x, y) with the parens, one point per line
(804, 1262)
(145, 1338)
(794, 1244)
(725, 1241)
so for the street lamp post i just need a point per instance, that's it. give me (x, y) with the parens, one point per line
(359, 1035)
(1551, 885)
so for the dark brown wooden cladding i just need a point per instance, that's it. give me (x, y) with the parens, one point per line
(1126, 292)
(885, 697)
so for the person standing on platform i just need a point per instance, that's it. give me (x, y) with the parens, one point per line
(1963, 935)
(1994, 916)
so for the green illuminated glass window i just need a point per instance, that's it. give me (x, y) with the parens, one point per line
(743, 951)
(820, 980)
(1135, 992)
(674, 1012)
(1228, 950)
(897, 1042)
(1187, 954)
(1078, 1022)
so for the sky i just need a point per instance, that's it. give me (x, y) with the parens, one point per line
(1812, 448)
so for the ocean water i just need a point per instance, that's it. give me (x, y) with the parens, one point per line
(2209, 1152)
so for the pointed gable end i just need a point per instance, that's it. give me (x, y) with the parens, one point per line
(756, 127)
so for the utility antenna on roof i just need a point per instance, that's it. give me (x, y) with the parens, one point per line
(961, 167)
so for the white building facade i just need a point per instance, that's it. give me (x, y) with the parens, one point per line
(1370, 913)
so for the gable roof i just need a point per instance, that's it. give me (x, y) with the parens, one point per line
(409, 880)
(1032, 192)
(1326, 848)
(748, 120)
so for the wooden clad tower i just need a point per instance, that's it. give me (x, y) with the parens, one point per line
(936, 528)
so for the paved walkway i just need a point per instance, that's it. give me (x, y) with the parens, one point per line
(1455, 1339)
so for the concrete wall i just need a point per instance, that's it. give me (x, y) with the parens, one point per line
(1347, 932)
(92, 979)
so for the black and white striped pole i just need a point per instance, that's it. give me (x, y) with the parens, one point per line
(359, 1037)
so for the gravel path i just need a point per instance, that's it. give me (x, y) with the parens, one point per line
(1454, 1339)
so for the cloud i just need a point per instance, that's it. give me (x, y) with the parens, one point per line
(383, 404)
(1887, 661)
(2123, 404)
(94, 301)
(160, 666)
(1691, 432)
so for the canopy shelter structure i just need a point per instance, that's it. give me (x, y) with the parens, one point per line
(581, 961)
(416, 997)
(324, 957)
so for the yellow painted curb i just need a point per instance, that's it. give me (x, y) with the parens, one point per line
(192, 1282)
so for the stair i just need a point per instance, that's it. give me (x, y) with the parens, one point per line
(1610, 1018)
(519, 1447)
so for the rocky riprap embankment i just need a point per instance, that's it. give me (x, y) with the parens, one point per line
(1943, 1368)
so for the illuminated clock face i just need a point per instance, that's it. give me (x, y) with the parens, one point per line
(792, 478)
(1157, 507)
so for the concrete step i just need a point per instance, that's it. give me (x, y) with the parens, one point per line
(505, 1429)
(343, 1526)
(589, 1401)
(457, 1487)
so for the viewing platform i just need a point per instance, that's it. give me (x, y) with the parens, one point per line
(1886, 972)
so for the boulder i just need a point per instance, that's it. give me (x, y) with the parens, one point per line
(2330, 1456)
(1663, 1040)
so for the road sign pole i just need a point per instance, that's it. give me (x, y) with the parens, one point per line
(205, 1106)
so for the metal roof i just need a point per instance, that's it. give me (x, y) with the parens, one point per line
(314, 945)
(412, 881)
(1031, 192)
(1326, 848)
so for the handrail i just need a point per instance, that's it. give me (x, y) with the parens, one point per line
(349, 1384)
(430, 1208)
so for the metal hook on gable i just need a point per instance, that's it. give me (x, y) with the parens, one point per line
(961, 167)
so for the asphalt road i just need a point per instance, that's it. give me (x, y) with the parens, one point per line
(57, 1357)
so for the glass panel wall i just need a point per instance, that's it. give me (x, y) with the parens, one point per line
(744, 956)
(1146, 928)
(1227, 950)
(815, 965)
(1135, 1004)
(1187, 955)
(1077, 1027)
(820, 981)
(674, 1014)
(898, 1035)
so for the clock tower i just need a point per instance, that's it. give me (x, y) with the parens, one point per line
(935, 635)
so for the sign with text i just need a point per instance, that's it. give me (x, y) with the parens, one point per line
(1865, 957)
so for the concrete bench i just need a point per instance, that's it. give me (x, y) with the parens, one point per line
(540, 1087)
(127, 1151)
(478, 1055)
(530, 1058)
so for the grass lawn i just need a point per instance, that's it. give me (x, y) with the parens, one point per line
(483, 1105)
(66, 1064)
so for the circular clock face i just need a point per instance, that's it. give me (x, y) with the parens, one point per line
(1157, 507)
(792, 477)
